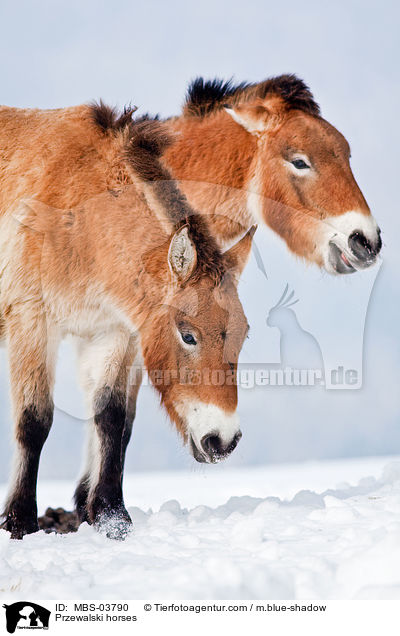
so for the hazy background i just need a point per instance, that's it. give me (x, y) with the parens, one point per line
(54, 54)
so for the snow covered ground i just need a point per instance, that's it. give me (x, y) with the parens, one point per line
(328, 530)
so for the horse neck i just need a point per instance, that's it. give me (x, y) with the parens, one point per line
(213, 158)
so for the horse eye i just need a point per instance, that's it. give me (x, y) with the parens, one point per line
(299, 164)
(188, 338)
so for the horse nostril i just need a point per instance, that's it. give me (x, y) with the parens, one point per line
(214, 448)
(362, 248)
(211, 444)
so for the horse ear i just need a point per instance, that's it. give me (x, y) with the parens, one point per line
(238, 255)
(182, 255)
(259, 116)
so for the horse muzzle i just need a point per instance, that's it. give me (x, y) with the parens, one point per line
(212, 448)
(360, 253)
(212, 432)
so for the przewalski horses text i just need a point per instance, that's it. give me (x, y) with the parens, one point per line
(263, 153)
(132, 272)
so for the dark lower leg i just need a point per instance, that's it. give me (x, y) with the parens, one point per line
(80, 498)
(21, 509)
(105, 502)
(83, 487)
(126, 436)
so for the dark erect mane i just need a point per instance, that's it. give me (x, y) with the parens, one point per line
(146, 141)
(208, 96)
(108, 118)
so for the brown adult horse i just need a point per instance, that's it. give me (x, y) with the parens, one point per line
(262, 152)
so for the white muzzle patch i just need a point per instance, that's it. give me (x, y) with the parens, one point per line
(337, 230)
(209, 421)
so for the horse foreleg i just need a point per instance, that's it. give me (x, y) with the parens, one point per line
(32, 352)
(106, 365)
(134, 382)
(105, 504)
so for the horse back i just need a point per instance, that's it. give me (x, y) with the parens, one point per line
(60, 157)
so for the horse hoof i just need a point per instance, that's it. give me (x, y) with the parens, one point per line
(116, 525)
(19, 528)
